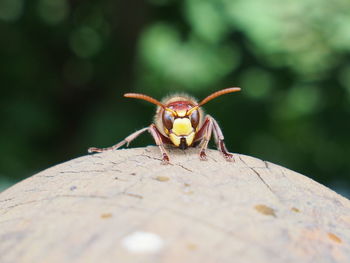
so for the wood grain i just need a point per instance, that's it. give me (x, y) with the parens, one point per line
(125, 206)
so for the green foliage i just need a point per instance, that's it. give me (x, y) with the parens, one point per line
(65, 65)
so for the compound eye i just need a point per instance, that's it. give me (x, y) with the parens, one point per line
(168, 119)
(194, 117)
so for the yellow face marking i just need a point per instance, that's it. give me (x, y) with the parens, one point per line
(181, 113)
(174, 139)
(166, 130)
(182, 126)
(177, 139)
(189, 139)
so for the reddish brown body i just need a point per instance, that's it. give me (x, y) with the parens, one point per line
(180, 121)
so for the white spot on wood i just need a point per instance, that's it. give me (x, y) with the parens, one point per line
(142, 242)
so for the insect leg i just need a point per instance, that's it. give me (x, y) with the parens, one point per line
(219, 138)
(208, 128)
(126, 141)
(200, 133)
(157, 136)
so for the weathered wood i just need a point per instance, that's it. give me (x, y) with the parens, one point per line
(125, 206)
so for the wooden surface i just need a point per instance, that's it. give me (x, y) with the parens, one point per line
(125, 206)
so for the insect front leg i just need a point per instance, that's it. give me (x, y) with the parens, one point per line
(126, 141)
(204, 135)
(159, 139)
(219, 138)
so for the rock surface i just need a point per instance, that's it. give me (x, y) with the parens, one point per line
(125, 206)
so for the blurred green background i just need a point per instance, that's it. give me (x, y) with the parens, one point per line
(64, 65)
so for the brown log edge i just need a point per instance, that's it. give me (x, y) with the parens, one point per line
(125, 206)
